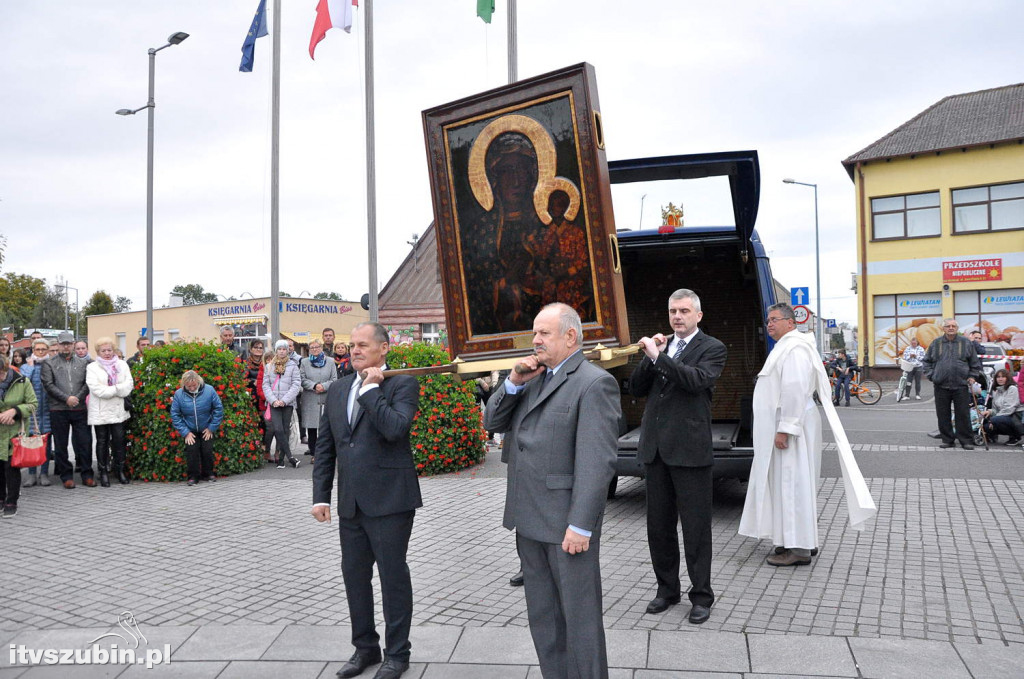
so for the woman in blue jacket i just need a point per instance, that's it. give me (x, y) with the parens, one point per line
(196, 413)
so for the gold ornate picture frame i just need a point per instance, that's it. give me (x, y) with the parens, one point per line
(522, 208)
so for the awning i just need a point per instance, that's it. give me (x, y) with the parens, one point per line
(239, 320)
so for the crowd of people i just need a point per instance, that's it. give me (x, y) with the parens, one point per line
(82, 402)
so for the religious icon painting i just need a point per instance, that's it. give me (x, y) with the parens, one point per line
(522, 207)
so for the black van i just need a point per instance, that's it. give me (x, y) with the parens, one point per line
(728, 269)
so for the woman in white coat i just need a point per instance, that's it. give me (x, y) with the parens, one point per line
(109, 380)
(318, 372)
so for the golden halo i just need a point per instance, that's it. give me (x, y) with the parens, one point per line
(543, 145)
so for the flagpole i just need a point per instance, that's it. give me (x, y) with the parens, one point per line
(513, 54)
(275, 127)
(371, 182)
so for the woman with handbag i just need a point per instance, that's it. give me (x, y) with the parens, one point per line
(33, 372)
(17, 402)
(281, 387)
(110, 381)
(318, 372)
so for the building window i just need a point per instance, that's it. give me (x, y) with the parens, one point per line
(900, 318)
(912, 216)
(430, 333)
(173, 335)
(988, 208)
(998, 314)
(121, 341)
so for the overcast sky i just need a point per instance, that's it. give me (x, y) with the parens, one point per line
(804, 83)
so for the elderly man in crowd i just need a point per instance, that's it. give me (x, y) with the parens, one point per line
(63, 378)
(952, 364)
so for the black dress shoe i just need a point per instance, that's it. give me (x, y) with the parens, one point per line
(947, 445)
(699, 614)
(661, 604)
(967, 446)
(516, 580)
(358, 663)
(391, 669)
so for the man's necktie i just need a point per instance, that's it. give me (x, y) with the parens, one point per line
(679, 350)
(353, 409)
(547, 379)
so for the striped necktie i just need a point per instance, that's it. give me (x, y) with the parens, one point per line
(679, 350)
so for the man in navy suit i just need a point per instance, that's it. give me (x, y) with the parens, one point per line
(677, 375)
(364, 434)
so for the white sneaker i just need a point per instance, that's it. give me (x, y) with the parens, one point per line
(918, 398)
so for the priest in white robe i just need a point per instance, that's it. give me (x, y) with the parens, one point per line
(781, 503)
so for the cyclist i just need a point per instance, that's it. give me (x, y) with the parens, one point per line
(843, 369)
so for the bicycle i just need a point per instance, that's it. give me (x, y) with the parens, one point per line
(907, 367)
(867, 392)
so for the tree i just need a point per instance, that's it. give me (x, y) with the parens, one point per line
(19, 294)
(99, 303)
(328, 295)
(193, 293)
(49, 311)
(122, 304)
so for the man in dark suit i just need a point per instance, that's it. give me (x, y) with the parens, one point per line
(677, 375)
(560, 449)
(364, 432)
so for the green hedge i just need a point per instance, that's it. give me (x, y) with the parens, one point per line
(156, 452)
(447, 434)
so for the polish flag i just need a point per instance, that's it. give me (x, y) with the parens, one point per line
(331, 14)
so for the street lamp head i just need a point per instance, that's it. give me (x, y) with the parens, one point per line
(177, 38)
(124, 112)
(788, 180)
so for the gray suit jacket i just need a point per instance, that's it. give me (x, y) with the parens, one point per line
(560, 449)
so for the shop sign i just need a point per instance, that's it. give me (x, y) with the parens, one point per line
(961, 270)
(236, 309)
(306, 308)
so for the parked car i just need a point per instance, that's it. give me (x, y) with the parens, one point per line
(994, 359)
(728, 267)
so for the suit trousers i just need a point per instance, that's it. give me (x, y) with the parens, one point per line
(77, 421)
(383, 540)
(684, 492)
(563, 604)
(960, 399)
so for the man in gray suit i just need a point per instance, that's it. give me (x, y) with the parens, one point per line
(560, 449)
(364, 436)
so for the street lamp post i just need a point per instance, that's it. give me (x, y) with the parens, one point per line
(174, 39)
(817, 261)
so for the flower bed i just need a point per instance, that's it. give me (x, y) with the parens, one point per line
(447, 434)
(156, 452)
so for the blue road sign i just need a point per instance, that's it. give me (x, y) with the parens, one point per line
(830, 323)
(799, 296)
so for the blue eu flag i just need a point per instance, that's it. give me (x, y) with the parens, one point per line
(257, 30)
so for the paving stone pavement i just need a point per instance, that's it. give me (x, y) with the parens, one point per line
(240, 581)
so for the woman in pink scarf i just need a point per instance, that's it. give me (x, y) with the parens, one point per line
(110, 381)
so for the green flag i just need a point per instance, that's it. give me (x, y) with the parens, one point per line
(484, 9)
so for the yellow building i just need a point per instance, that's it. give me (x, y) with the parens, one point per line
(301, 320)
(940, 225)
